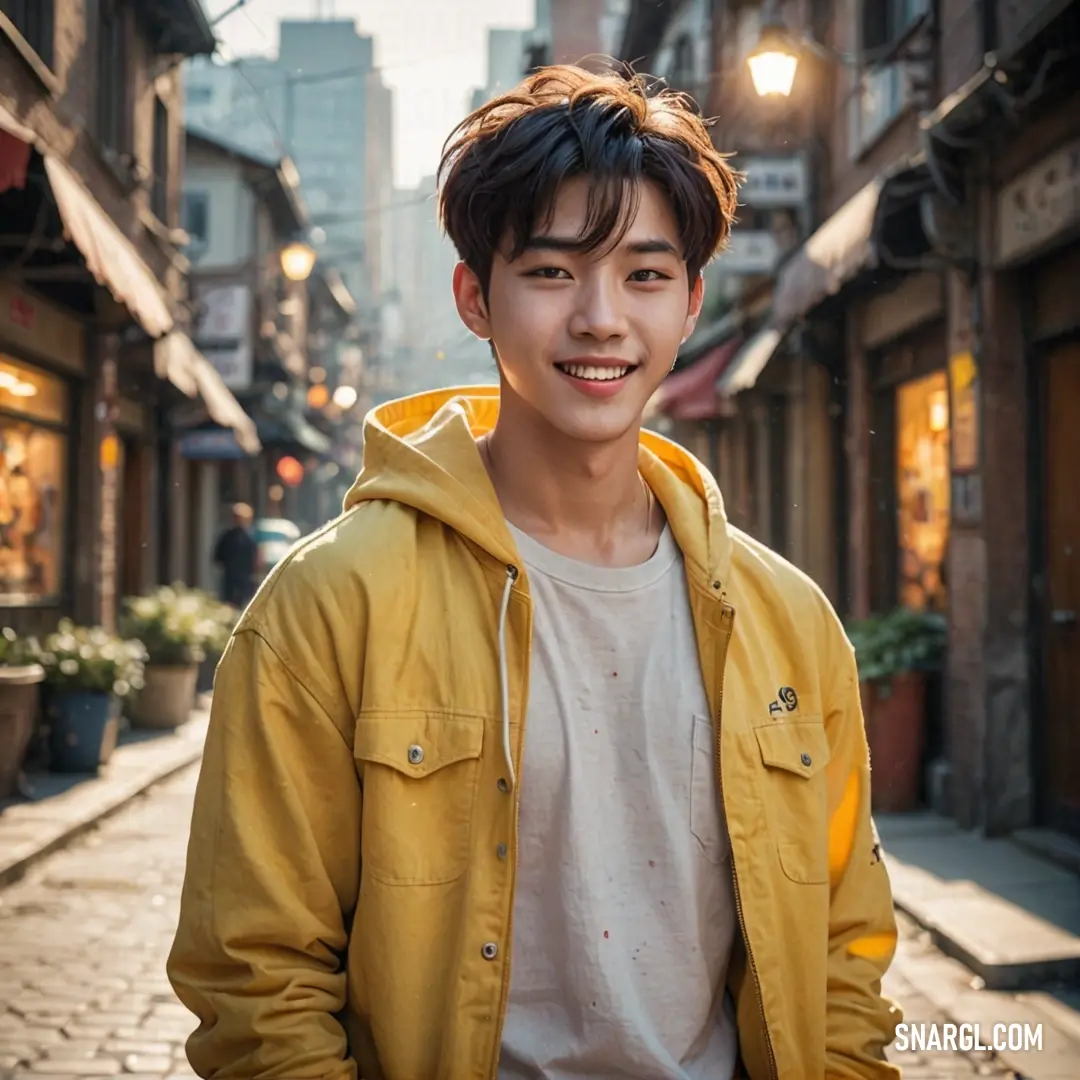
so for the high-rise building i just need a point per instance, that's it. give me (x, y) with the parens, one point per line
(322, 102)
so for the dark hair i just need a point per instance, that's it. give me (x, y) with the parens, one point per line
(503, 164)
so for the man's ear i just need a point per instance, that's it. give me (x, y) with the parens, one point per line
(469, 297)
(697, 297)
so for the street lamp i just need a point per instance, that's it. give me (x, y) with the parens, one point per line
(774, 61)
(297, 260)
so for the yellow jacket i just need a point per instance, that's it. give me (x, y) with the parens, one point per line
(347, 906)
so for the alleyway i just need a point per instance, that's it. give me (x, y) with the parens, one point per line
(83, 942)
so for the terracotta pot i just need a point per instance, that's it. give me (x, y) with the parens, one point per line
(896, 731)
(167, 698)
(19, 698)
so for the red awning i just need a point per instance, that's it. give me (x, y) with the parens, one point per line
(16, 142)
(690, 394)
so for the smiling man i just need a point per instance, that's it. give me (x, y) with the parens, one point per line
(530, 765)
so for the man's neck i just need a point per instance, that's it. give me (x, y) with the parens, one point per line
(584, 500)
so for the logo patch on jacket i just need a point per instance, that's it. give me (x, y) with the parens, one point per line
(786, 701)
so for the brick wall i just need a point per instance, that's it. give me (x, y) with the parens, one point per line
(66, 123)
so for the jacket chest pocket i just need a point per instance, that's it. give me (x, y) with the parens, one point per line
(419, 772)
(794, 756)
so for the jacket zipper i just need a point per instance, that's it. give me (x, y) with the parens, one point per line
(504, 994)
(728, 615)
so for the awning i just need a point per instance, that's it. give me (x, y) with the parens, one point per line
(287, 427)
(690, 394)
(109, 255)
(223, 407)
(177, 359)
(749, 362)
(830, 258)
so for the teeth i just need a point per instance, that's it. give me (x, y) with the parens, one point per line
(599, 374)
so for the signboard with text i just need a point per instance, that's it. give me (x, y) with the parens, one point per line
(1040, 206)
(223, 331)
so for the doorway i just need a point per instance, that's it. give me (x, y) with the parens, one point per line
(1061, 628)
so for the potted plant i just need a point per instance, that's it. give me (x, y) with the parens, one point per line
(171, 623)
(20, 685)
(87, 671)
(895, 653)
(221, 619)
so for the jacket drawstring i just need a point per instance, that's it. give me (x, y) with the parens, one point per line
(504, 674)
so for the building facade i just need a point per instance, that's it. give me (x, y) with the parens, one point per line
(287, 347)
(94, 315)
(911, 357)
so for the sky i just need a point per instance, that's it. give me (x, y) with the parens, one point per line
(432, 53)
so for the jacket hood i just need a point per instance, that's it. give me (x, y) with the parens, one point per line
(421, 451)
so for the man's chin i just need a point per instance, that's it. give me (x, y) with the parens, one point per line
(597, 426)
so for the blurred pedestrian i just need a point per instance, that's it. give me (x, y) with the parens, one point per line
(235, 553)
(460, 812)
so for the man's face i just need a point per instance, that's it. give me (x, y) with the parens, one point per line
(584, 339)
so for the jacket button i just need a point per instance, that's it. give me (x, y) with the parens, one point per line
(501, 851)
(416, 754)
(806, 759)
(503, 786)
(490, 950)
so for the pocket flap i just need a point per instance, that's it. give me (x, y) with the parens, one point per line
(801, 748)
(418, 744)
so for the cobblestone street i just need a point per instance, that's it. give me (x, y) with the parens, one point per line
(83, 941)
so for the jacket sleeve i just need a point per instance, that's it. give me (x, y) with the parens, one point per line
(272, 873)
(860, 1021)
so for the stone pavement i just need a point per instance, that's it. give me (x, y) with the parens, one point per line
(60, 806)
(85, 933)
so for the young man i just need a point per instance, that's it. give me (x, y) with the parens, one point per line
(530, 765)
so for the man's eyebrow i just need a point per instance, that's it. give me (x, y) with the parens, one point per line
(573, 244)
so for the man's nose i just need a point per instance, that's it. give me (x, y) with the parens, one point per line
(599, 312)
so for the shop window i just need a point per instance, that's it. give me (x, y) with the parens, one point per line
(35, 20)
(33, 484)
(922, 491)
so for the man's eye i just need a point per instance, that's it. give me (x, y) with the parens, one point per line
(549, 273)
(649, 275)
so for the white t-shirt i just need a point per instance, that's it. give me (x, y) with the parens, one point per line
(624, 915)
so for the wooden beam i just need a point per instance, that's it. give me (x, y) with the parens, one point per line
(56, 273)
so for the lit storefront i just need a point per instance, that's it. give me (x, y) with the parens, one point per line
(34, 485)
(922, 491)
(910, 471)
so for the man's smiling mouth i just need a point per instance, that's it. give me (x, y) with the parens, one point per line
(594, 373)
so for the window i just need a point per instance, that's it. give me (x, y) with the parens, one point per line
(196, 214)
(886, 21)
(683, 67)
(159, 193)
(883, 94)
(35, 20)
(114, 106)
(200, 95)
(33, 484)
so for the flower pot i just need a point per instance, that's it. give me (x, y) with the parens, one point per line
(19, 698)
(896, 732)
(167, 696)
(82, 730)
